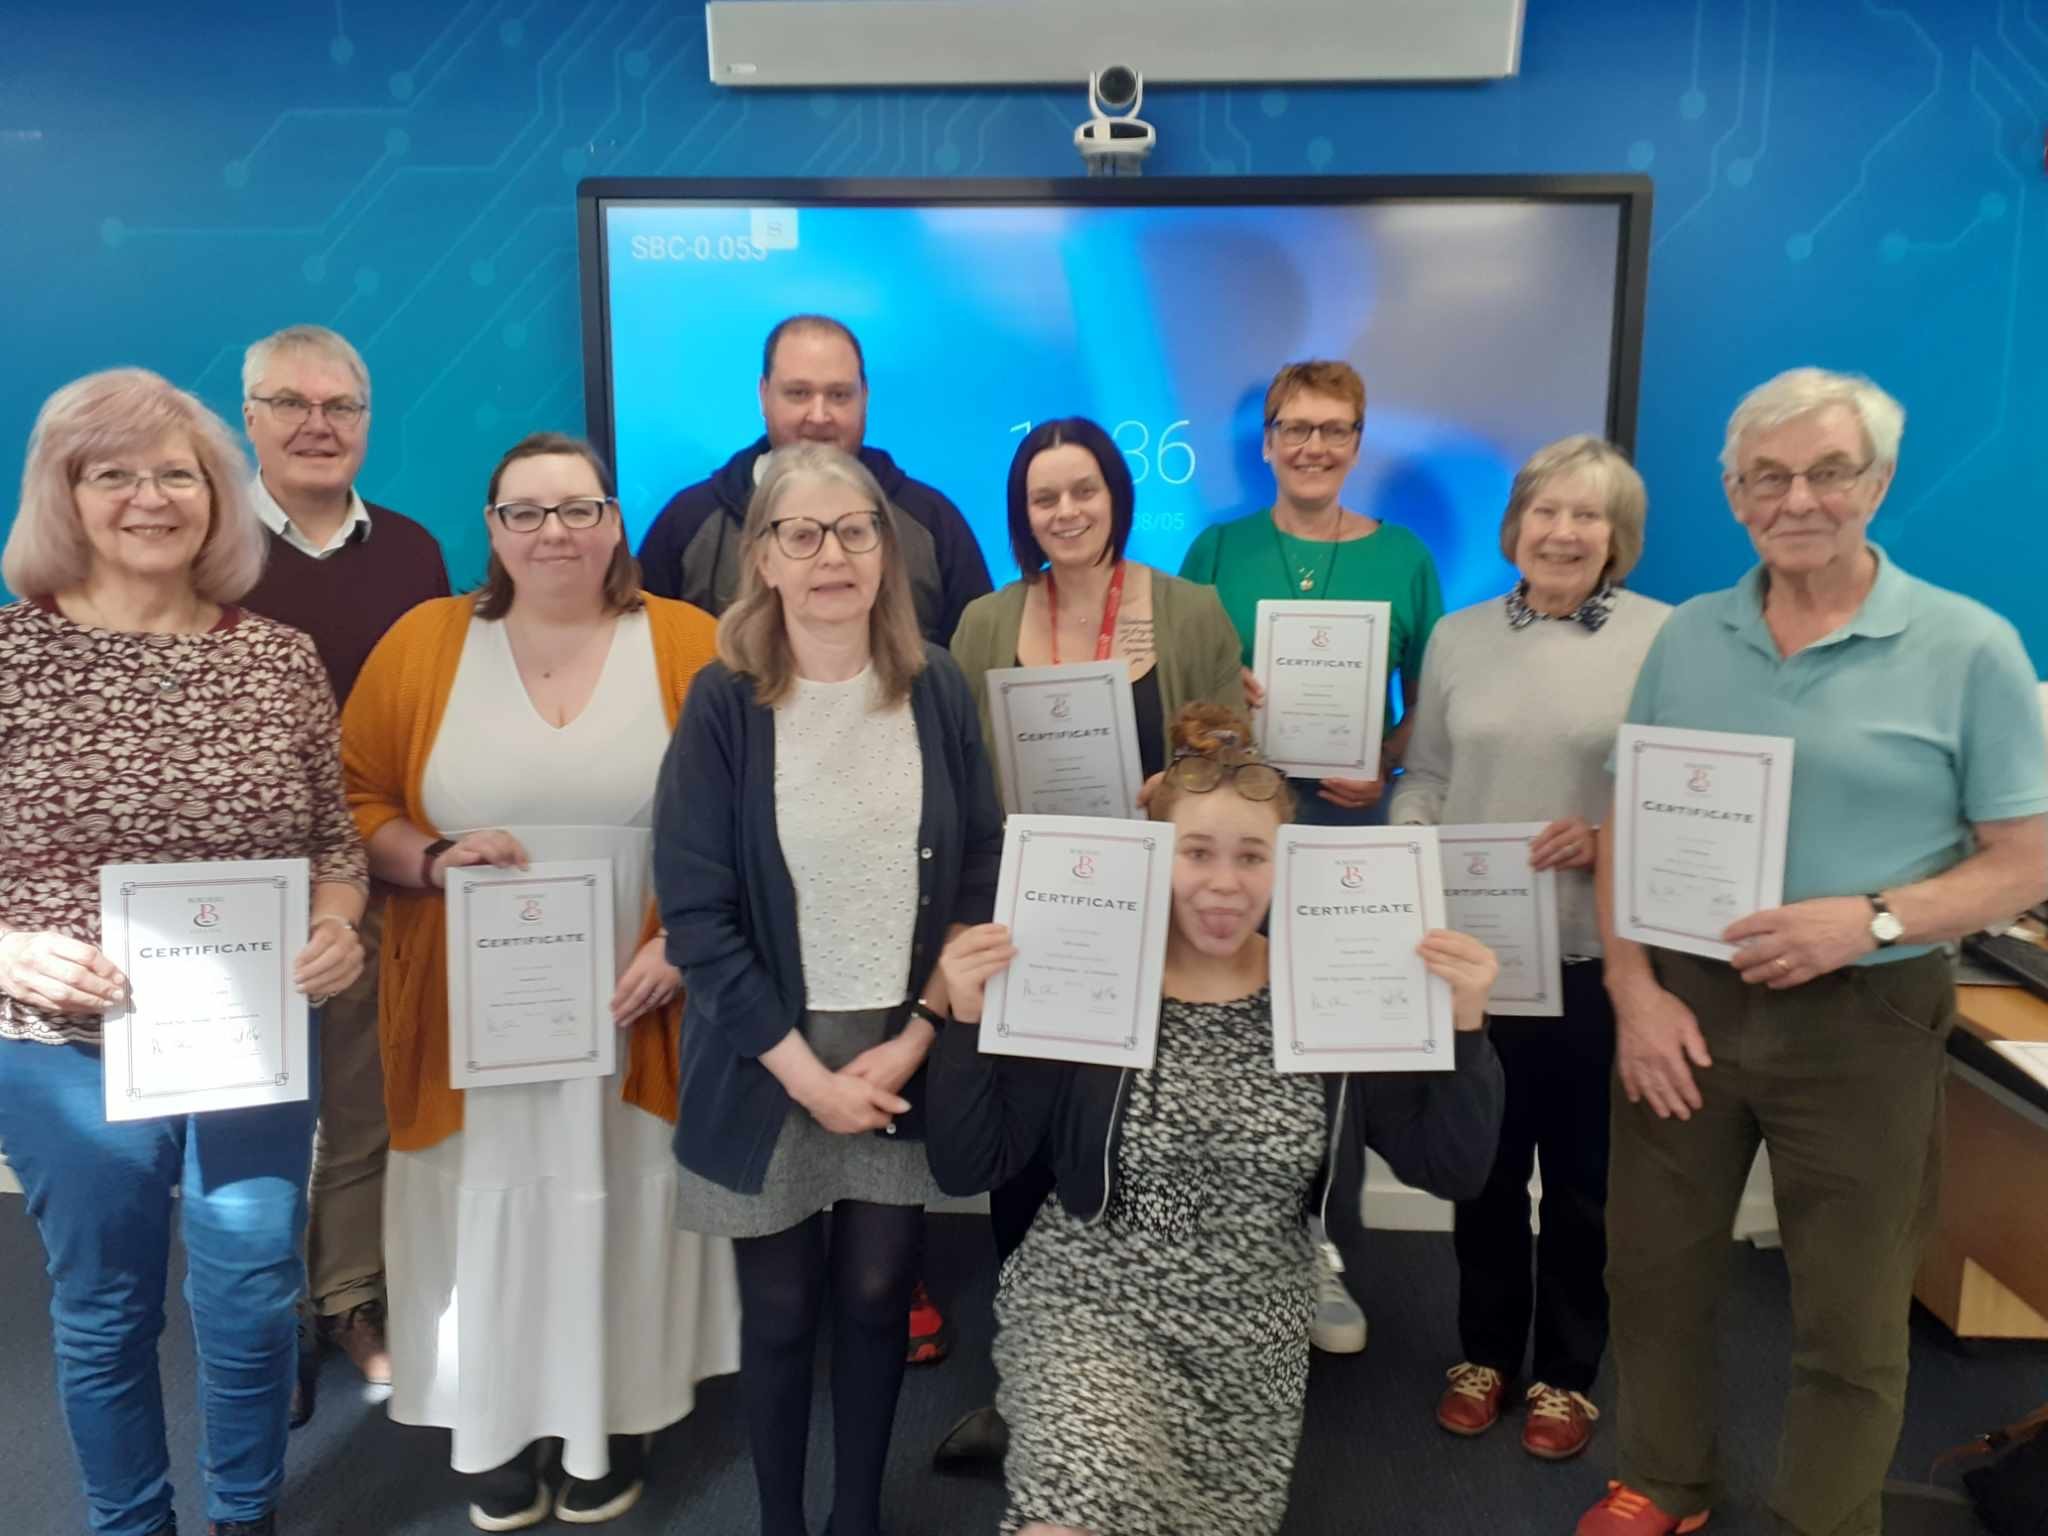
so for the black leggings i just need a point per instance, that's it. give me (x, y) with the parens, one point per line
(871, 1266)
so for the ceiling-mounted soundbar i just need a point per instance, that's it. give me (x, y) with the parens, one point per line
(1041, 42)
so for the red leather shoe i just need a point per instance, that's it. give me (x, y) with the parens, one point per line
(1559, 1424)
(931, 1340)
(1471, 1403)
(1624, 1512)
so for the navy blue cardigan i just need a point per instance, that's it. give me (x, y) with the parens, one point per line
(729, 905)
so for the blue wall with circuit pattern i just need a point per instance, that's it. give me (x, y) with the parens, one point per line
(1847, 182)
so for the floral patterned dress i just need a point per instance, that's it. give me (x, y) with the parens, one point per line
(1154, 1363)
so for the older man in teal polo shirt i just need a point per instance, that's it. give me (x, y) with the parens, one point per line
(1919, 786)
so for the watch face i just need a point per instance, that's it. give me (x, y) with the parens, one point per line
(1886, 928)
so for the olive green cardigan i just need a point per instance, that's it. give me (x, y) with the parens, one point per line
(1197, 646)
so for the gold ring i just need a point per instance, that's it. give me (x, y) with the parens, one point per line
(1784, 965)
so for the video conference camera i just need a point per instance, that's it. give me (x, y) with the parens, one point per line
(1115, 141)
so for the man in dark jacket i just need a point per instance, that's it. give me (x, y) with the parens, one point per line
(814, 387)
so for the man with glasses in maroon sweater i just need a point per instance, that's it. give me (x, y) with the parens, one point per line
(343, 570)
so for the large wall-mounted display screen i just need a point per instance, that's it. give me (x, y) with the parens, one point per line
(1487, 319)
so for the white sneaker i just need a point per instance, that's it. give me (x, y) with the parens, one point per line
(1338, 1327)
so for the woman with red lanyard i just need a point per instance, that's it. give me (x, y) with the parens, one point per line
(1071, 505)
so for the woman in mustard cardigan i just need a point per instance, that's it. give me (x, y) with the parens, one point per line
(538, 1287)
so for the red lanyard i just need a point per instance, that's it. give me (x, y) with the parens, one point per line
(1111, 601)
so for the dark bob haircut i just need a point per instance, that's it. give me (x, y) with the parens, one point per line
(1116, 479)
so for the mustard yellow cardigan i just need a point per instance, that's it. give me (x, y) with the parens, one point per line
(387, 733)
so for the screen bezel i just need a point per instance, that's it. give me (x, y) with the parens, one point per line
(1631, 194)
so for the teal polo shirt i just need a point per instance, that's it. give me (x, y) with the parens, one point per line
(1918, 717)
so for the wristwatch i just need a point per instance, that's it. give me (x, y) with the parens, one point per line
(428, 854)
(1885, 926)
(930, 1015)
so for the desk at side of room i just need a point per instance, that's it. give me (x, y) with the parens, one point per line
(1985, 1272)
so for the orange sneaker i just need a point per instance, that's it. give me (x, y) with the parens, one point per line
(1624, 1512)
(1559, 1424)
(930, 1339)
(1471, 1403)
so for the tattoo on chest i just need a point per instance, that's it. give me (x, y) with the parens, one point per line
(1134, 639)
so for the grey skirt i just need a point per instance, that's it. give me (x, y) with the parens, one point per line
(812, 1169)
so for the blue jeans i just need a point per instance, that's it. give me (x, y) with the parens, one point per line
(100, 1195)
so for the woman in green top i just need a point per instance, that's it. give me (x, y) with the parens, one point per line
(1071, 505)
(1307, 545)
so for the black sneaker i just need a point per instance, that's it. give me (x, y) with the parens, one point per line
(306, 1377)
(596, 1500)
(511, 1497)
(267, 1526)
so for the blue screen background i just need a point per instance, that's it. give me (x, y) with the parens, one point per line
(1483, 330)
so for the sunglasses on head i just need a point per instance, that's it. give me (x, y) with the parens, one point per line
(1199, 772)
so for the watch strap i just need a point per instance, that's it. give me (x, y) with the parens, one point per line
(428, 854)
(925, 1010)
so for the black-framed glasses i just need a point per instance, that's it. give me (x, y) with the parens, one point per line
(296, 410)
(579, 512)
(801, 538)
(123, 483)
(1295, 433)
(1250, 775)
(1829, 479)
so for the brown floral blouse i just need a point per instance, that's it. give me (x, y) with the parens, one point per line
(123, 748)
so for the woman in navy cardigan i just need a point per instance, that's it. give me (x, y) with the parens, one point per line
(825, 818)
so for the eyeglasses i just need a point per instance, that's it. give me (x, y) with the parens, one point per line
(801, 538)
(124, 483)
(294, 411)
(1200, 772)
(577, 513)
(1830, 479)
(1295, 434)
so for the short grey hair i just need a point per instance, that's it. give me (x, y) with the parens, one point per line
(1628, 500)
(331, 345)
(1801, 392)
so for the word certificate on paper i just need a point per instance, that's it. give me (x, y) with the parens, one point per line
(531, 968)
(1350, 993)
(1065, 739)
(213, 1020)
(1491, 893)
(1700, 819)
(1087, 903)
(1324, 669)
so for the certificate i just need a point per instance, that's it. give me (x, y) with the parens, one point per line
(1350, 994)
(213, 1020)
(531, 969)
(1699, 833)
(1324, 669)
(1087, 905)
(1065, 739)
(1491, 893)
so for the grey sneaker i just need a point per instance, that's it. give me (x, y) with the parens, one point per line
(1338, 1327)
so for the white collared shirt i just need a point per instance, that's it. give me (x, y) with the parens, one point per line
(279, 522)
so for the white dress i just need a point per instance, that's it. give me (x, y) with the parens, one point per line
(538, 1283)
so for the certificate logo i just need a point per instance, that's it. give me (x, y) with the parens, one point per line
(1476, 865)
(1352, 878)
(207, 915)
(1319, 637)
(530, 910)
(1062, 706)
(1702, 780)
(1084, 867)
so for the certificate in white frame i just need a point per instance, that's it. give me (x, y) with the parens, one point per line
(1701, 819)
(1350, 993)
(1323, 666)
(531, 970)
(213, 1020)
(1065, 739)
(1088, 903)
(1491, 893)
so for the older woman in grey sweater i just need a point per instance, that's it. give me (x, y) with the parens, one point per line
(1521, 697)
